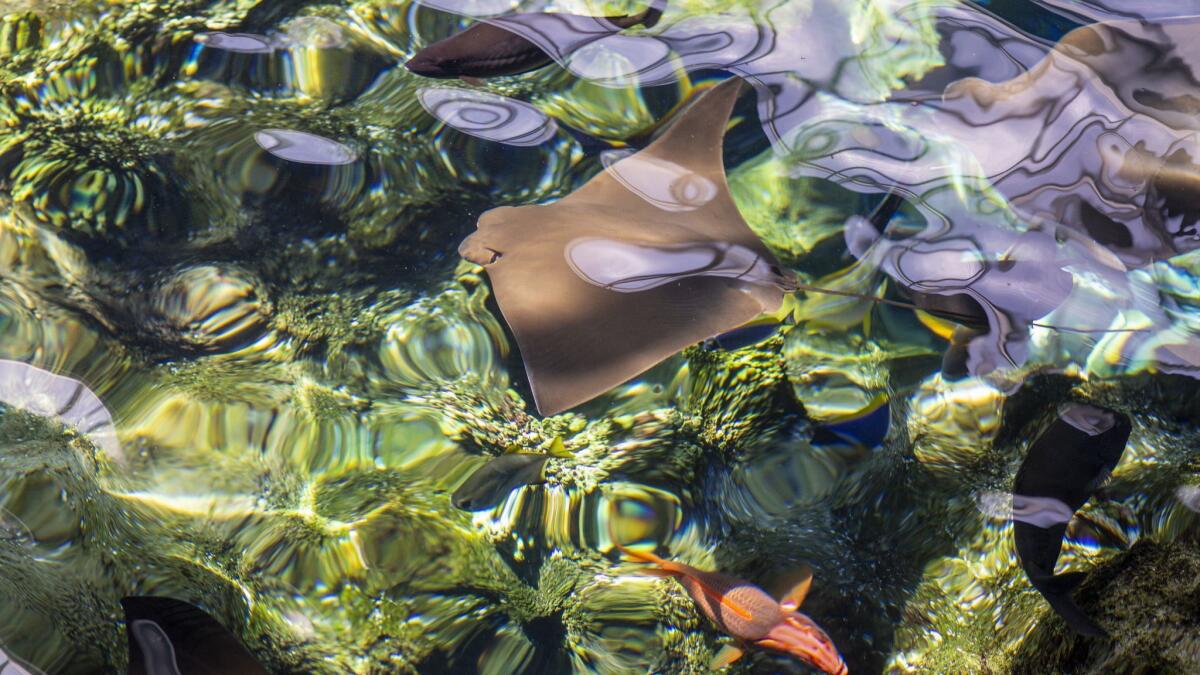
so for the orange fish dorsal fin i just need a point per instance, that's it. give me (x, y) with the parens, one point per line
(794, 596)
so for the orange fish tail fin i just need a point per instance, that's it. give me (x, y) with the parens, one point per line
(641, 556)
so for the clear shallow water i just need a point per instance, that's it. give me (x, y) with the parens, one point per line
(244, 365)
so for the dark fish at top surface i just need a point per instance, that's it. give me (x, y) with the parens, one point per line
(491, 483)
(1067, 463)
(171, 637)
(487, 50)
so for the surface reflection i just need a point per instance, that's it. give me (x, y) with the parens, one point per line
(304, 148)
(627, 267)
(244, 240)
(305, 32)
(69, 401)
(488, 116)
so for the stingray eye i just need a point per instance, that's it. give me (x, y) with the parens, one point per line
(495, 255)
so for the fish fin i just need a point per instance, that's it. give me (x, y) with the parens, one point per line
(773, 645)
(1064, 583)
(938, 326)
(175, 633)
(557, 449)
(668, 569)
(473, 81)
(794, 597)
(726, 656)
(721, 598)
(1073, 614)
(640, 556)
(658, 572)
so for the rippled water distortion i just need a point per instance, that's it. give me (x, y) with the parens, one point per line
(588, 336)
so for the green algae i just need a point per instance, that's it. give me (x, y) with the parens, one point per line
(306, 500)
(1147, 599)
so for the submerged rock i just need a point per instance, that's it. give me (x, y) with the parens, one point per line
(245, 247)
(1147, 598)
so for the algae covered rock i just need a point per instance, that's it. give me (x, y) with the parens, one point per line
(249, 255)
(1147, 599)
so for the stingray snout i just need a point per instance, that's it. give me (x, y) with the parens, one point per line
(474, 250)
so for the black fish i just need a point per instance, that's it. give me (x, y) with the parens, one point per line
(1067, 463)
(485, 50)
(171, 637)
(492, 482)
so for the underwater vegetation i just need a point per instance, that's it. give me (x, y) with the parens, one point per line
(466, 336)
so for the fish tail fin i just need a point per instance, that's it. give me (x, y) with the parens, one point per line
(664, 567)
(658, 572)
(1064, 583)
(641, 556)
(1057, 591)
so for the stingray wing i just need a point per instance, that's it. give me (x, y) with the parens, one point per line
(579, 339)
(680, 177)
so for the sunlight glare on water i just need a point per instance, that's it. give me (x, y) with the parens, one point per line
(582, 336)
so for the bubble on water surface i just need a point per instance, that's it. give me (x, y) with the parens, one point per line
(43, 393)
(304, 148)
(315, 32)
(488, 116)
(243, 43)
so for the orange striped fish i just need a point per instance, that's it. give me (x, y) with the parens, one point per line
(746, 612)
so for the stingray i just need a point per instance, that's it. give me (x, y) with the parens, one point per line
(648, 257)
